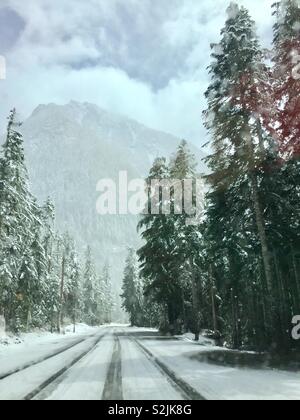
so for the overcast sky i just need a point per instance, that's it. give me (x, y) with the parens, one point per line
(143, 58)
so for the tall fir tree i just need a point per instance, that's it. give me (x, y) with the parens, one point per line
(89, 289)
(132, 290)
(74, 295)
(156, 256)
(247, 186)
(16, 220)
(107, 290)
(187, 238)
(238, 145)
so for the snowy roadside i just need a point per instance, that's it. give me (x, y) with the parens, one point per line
(203, 341)
(11, 342)
(222, 382)
(34, 346)
(39, 336)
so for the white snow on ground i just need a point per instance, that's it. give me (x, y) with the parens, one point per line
(86, 379)
(18, 386)
(39, 336)
(203, 341)
(34, 346)
(142, 380)
(217, 382)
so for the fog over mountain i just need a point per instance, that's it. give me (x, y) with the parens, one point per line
(69, 149)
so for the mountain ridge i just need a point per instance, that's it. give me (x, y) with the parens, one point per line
(69, 148)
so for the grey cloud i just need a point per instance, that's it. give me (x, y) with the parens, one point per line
(153, 41)
(11, 26)
(143, 58)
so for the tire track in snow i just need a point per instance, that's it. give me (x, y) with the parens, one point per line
(42, 359)
(187, 391)
(62, 371)
(113, 389)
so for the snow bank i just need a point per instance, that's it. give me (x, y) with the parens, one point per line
(217, 382)
(36, 337)
(203, 341)
(2, 327)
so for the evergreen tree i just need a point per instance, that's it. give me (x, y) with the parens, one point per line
(16, 220)
(68, 273)
(51, 299)
(89, 289)
(168, 266)
(157, 255)
(132, 295)
(74, 296)
(284, 125)
(243, 225)
(31, 284)
(40, 273)
(186, 235)
(238, 152)
(107, 292)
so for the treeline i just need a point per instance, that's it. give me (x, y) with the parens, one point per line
(237, 272)
(43, 280)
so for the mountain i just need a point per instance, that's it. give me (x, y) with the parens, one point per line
(69, 149)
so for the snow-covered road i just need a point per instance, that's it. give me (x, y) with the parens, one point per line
(118, 362)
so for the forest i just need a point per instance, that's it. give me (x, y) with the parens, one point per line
(235, 275)
(44, 281)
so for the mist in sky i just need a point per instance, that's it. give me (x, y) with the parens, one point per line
(145, 59)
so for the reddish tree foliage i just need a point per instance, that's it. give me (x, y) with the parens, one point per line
(283, 119)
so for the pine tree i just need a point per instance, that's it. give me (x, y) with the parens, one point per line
(187, 238)
(40, 273)
(252, 190)
(52, 245)
(132, 295)
(66, 248)
(74, 295)
(31, 284)
(156, 256)
(108, 299)
(89, 290)
(16, 220)
(284, 124)
(239, 152)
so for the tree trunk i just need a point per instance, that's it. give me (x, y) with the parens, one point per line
(196, 304)
(235, 335)
(2, 326)
(214, 310)
(296, 275)
(74, 323)
(196, 308)
(266, 256)
(28, 319)
(183, 312)
(61, 297)
(213, 301)
(262, 149)
(52, 322)
(283, 305)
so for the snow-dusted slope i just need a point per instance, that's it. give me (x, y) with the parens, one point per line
(70, 148)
